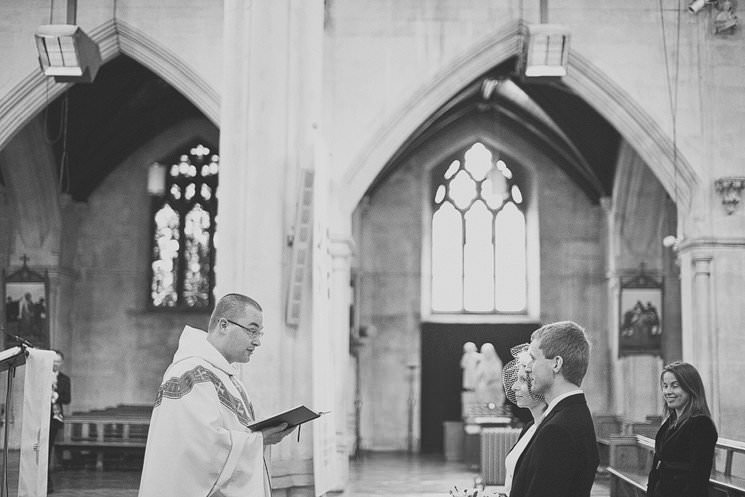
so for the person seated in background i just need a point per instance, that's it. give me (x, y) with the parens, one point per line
(684, 445)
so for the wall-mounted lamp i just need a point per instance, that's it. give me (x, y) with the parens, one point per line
(671, 241)
(725, 18)
(545, 51)
(66, 53)
(156, 179)
(729, 188)
(697, 5)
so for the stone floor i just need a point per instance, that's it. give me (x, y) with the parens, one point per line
(371, 475)
(384, 474)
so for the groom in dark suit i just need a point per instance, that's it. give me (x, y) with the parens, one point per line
(562, 457)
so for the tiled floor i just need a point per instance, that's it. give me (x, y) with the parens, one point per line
(371, 475)
(385, 474)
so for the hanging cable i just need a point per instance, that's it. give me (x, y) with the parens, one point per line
(64, 173)
(672, 96)
(47, 138)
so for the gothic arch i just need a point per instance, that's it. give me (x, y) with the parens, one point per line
(619, 108)
(114, 37)
(34, 92)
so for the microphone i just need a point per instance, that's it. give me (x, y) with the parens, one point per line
(21, 340)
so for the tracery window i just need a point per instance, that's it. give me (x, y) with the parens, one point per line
(183, 249)
(479, 236)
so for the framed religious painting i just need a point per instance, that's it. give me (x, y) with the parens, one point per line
(26, 296)
(640, 320)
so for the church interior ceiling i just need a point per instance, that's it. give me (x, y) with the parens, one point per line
(109, 119)
(97, 125)
(546, 112)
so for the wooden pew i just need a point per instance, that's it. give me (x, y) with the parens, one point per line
(112, 430)
(722, 478)
(631, 460)
(605, 426)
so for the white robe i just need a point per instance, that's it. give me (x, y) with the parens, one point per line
(198, 443)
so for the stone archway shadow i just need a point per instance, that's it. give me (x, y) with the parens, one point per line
(635, 125)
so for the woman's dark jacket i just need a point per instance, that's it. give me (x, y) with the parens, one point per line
(683, 457)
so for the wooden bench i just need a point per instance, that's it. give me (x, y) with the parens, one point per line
(607, 425)
(109, 430)
(722, 477)
(630, 462)
(631, 459)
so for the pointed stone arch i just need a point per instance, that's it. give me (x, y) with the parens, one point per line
(115, 37)
(23, 102)
(605, 96)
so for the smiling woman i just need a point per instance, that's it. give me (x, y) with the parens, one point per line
(684, 445)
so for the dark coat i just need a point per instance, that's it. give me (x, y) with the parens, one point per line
(683, 457)
(562, 457)
(63, 390)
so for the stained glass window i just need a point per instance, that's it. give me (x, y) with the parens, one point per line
(479, 261)
(183, 249)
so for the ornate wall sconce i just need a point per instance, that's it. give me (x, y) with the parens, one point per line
(729, 188)
(724, 19)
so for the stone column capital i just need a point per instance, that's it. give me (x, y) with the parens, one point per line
(702, 264)
(707, 245)
(730, 189)
(341, 246)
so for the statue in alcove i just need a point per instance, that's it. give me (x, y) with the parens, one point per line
(469, 363)
(489, 389)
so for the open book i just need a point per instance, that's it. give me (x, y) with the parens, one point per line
(293, 417)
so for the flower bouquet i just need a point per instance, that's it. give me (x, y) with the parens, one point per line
(476, 491)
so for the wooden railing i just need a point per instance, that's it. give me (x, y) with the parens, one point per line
(608, 425)
(119, 429)
(631, 460)
(722, 475)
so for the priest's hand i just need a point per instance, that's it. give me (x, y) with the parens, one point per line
(275, 434)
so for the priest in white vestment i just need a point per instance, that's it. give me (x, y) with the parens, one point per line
(199, 443)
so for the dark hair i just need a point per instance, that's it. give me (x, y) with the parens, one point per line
(231, 306)
(690, 381)
(566, 339)
(59, 352)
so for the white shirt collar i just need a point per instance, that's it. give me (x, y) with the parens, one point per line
(559, 398)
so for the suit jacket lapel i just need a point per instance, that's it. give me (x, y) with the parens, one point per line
(572, 399)
(670, 435)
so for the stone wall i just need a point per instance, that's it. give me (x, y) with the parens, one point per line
(392, 221)
(119, 348)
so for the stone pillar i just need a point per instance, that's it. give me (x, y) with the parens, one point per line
(270, 110)
(634, 238)
(700, 337)
(28, 167)
(341, 250)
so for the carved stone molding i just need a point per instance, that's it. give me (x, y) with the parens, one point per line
(730, 188)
